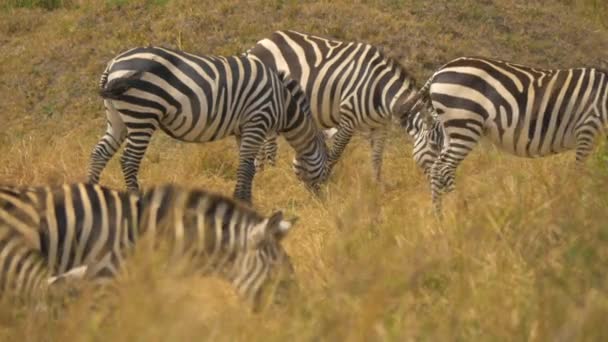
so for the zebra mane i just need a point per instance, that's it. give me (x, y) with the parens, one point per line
(396, 63)
(217, 198)
(602, 70)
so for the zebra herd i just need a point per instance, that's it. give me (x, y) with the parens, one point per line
(293, 85)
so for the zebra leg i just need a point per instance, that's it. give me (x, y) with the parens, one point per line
(271, 149)
(260, 158)
(137, 143)
(107, 146)
(250, 146)
(377, 140)
(439, 173)
(341, 139)
(585, 140)
(267, 154)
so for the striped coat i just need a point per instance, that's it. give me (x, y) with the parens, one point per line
(200, 99)
(351, 86)
(525, 111)
(93, 226)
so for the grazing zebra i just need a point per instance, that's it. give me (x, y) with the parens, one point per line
(200, 99)
(93, 226)
(525, 111)
(351, 86)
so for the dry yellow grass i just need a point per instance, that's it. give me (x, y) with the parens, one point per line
(521, 254)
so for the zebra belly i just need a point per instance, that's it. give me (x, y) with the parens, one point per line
(325, 113)
(362, 123)
(203, 131)
(535, 147)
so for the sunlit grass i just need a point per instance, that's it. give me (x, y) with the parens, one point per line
(521, 253)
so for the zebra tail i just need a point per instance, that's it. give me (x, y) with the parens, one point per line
(114, 89)
(104, 76)
(104, 79)
(413, 105)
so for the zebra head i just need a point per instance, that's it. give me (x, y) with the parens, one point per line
(427, 132)
(265, 262)
(312, 166)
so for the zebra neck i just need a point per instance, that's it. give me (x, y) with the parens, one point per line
(399, 91)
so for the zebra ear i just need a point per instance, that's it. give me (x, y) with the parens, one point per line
(278, 226)
(274, 226)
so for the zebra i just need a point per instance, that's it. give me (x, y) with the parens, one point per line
(89, 225)
(528, 112)
(204, 98)
(351, 86)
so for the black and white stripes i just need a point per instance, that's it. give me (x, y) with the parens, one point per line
(525, 111)
(24, 273)
(96, 227)
(200, 99)
(428, 137)
(351, 86)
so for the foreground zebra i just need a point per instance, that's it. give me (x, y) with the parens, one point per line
(90, 225)
(350, 86)
(525, 111)
(200, 99)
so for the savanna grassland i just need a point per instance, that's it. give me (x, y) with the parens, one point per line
(522, 253)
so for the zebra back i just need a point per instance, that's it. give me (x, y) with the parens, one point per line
(336, 73)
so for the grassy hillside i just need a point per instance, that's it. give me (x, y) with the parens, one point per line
(521, 254)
